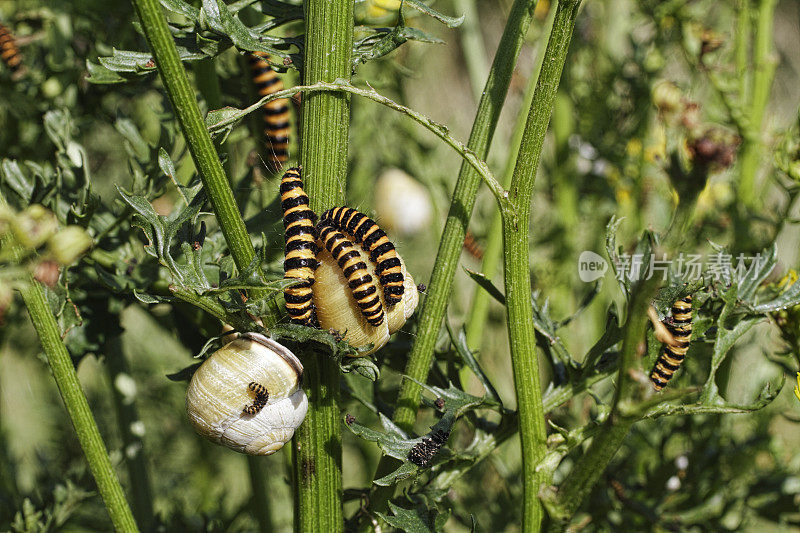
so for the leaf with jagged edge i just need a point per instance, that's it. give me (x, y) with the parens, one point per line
(160, 232)
(455, 399)
(460, 343)
(337, 347)
(487, 285)
(417, 520)
(383, 41)
(450, 22)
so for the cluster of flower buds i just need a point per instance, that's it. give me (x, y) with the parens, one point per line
(706, 145)
(33, 239)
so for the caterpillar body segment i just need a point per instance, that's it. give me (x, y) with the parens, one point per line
(672, 356)
(359, 279)
(258, 389)
(9, 53)
(276, 112)
(301, 249)
(373, 239)
(423, 452)
(260, 400)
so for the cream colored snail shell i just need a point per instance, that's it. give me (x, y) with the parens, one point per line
(337, 308)
(218, 393)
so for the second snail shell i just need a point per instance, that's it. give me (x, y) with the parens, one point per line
(337, 308)
(218, 393)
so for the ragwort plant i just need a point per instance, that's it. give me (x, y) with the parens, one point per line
(190, 240)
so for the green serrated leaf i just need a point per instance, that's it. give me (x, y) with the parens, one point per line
(15, 178)
(450, 22)
(417, 520)
(100, 75)
(181, 8)
(487, 285)
(460, 344)
(454, 398)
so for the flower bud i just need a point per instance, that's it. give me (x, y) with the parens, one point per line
(34, 226)
(68, 244)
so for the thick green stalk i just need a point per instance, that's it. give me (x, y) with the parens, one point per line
(262, 500)
(516, 238)
(441, 281)
(184, 104)
(132, 442)
(78, 407)
(605, 444)
(472, 44)
(741, 47)
(479, 311)
(761, 83)
(324, 132)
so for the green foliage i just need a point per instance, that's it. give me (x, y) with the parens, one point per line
(651, 122)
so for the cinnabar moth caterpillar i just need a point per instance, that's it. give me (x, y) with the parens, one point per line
(423, 452)
(9, 53)
(300, 259)
(258, 389)
(360, 281)
(276, 112)
(372, 238)
(672, 356)
(260, 400)
(472, 246)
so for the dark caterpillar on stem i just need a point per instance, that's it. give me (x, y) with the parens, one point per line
(672, 356)
(300, 260)
(355, 270)
(373, 239)
(276, 112)
(423, 452)
(9, 52)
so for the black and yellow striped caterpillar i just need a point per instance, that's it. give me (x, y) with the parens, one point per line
(423, 452)
(672, 356)
(260, 400)
(9, 53)
(355, 270)
(300, 260)
(381, 251)
(276, 112)
(339, 263)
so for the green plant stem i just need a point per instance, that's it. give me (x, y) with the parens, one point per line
(605, 444)
(77, 407)
(761, 83)
(516, 238)
(741, 46)
(204, 155)
(479, 310)
(262, 500)
(472, 44)
(469, 156)
(132, 443)
(450, 245)
(324, 133)
(441, 281)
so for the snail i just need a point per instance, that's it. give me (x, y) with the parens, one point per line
(340, 262)
(247, 396)
(337, 308)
